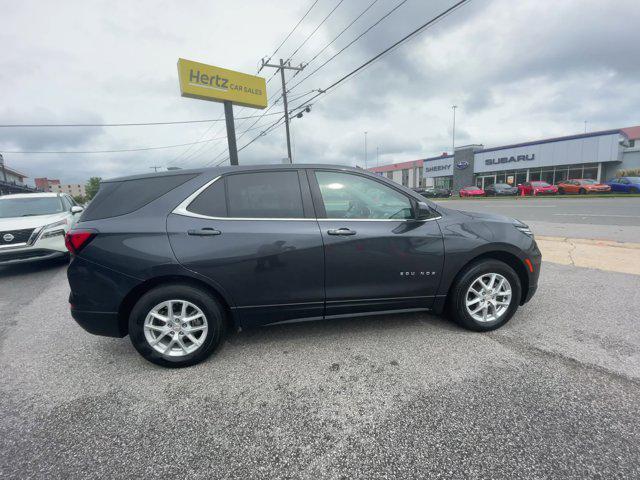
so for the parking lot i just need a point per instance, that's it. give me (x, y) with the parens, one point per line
(554, 393)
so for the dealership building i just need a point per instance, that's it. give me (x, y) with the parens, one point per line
(596, 155)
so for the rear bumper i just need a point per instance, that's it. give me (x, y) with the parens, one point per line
(99, 323)
(96, 297)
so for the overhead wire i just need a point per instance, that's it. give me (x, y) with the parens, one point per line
(339, 52)
(369, 62)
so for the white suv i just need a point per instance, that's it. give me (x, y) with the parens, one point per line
(33, 226)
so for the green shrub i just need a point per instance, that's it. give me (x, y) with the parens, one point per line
(631, 172)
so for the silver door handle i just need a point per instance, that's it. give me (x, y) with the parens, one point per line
(341, 231)
(204, 232)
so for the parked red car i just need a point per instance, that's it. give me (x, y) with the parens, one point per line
(537, 188)
(471, 192)
(582, 186)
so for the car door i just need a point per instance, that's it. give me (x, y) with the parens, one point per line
(613, 183)
(377, 257)
(255, 236)
(624, 185)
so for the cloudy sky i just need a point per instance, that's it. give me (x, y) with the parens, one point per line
(517, 71)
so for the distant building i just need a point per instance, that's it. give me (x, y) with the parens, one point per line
(53, 185)
(46, 184)
(12, 181)
(595, 155)
(73, 189)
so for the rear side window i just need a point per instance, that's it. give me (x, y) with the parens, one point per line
(264, 195)
(119, 198)
(211, 202)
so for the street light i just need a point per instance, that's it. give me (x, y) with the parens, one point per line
(365, 150)
(453, 135)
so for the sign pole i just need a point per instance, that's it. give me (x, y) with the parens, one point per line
(216, 84)
(231, 132)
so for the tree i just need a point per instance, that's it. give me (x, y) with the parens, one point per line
(92, 187)
(79, 199)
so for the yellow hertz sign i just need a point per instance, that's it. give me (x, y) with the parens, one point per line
(216, 84)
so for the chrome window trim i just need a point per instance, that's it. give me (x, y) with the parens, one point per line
(183, 210)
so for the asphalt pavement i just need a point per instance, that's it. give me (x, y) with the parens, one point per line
(616, 218)
(555, 393)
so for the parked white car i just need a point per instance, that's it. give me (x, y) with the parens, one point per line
(33, 226)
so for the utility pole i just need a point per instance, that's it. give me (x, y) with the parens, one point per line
(453, 135)
(585, 126)
(377, 156)
(155, 168)
(282, 67)
(365, 150)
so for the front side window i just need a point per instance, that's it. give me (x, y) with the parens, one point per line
(264, 195)
(353, 196)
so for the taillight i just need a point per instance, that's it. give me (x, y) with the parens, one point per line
(76, 240)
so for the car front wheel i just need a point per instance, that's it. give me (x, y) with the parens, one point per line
(176, 325)
(485, 296)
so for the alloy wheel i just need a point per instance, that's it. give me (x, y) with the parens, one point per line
(175, 328)
(488, 297)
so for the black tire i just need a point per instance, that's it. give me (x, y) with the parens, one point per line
(457, 309)
(561, 191)
(212, 310)
(634, 190)
(582, 191)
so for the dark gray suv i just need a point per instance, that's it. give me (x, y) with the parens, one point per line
(177, 259)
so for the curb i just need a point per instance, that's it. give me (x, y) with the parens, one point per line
(591, 241)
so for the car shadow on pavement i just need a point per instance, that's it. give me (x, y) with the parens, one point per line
(280, 337)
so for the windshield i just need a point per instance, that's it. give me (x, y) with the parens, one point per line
(633, 179)
(587, 182)
(502, 185)
(27, 207)
(540, 184)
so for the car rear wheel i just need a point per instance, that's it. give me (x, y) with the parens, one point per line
(485, 296)
(176, 325)
(561, 191)
(634, 190)
(582, 191)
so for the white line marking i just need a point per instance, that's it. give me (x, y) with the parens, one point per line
(594, 215)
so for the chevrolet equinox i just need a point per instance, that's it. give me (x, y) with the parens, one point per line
(176, 259)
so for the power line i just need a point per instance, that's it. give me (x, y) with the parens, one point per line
(387, 50)
(198, 152)
(343, 30)
(380, 20)
(373, 59)
(290, 33)
(265, 132)
(48, 125)
(137, 149)
(314, 31)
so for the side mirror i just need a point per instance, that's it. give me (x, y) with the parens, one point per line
(423, 211)
(76, 209)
